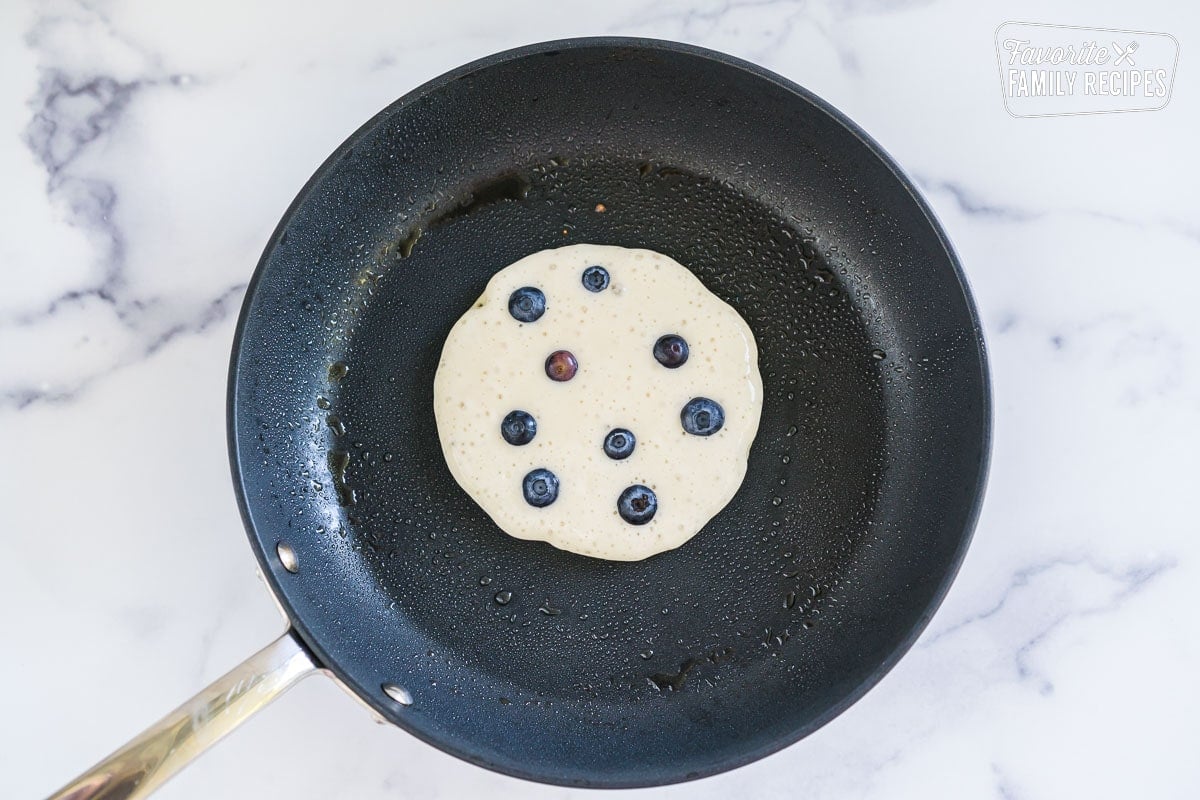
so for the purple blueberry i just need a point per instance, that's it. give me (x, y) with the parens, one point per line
(671, 351)
(702, 417)
(561, 366)
(527, 304)
(637, 504)
(595, 279)
(540, 488)
(619, 444)
(518, 427)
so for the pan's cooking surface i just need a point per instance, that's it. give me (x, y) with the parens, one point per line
(612, 626)
(862, 484)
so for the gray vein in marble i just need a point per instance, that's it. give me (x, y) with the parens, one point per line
(1131, 579)
(212, 313)
(709, 13)
(71, 116)
(1127, 581)
(68, 118)
(969, 203)
(1003, 786)
(700, 21)
(85, 12)
(1180, 228)
(1115, 339)
(230, 604)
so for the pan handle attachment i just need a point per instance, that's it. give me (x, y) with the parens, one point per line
(166, 747)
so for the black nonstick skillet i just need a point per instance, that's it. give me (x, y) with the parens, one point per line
(863, 485)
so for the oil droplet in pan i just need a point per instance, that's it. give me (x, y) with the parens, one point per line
(339, 460)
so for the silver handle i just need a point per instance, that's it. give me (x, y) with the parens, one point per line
(166, 747)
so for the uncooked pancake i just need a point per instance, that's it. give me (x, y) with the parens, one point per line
(600, 399)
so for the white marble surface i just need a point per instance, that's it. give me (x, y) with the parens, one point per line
(148, 149)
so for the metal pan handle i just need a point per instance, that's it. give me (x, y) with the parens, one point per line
(166, 747)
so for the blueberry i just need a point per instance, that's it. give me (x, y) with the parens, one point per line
(561, 366)
(618, 444)
(702, 417)
(595, 279)
(540, 488)
(518, 428)
(671, 351)
(637, 504)
(527, 304)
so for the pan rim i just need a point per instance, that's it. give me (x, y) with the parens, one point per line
(453, 745)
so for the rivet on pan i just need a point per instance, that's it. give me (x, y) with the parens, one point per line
(398, 693)
(287, 557)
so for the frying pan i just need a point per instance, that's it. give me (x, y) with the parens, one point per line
(863, 485)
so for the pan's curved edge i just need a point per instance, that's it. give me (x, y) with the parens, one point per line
(270, 572)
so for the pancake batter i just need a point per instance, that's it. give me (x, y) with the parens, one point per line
(600, 399)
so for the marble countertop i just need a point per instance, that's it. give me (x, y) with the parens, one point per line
(148, 150)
